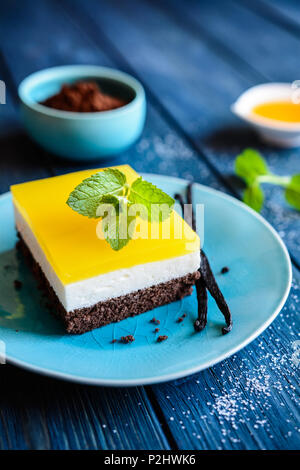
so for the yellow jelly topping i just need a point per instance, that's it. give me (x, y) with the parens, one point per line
(69, 239)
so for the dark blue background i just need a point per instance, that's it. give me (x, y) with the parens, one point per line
(194, 58)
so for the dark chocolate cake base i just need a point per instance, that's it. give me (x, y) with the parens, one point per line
(113, 310)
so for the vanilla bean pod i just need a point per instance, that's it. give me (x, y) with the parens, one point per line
(215, 292)
(190, 201)
(179, 198)
(209, 281)
(201, 321)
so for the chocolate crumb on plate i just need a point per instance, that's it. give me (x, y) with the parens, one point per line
(162, 338)
(127, 339)
(224, 270)
(156, 330)
(113, 341)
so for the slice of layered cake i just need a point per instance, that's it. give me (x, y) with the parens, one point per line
(91, 278)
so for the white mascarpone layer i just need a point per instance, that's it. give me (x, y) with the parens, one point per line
(88, 292)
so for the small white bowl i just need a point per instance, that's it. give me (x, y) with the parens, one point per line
(283, 134)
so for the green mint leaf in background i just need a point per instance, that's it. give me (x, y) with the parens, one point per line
(253, 196)
(118, 228)
(249, 165)
(292, 192)
(252, 168)
(143, 192)
(86, 196)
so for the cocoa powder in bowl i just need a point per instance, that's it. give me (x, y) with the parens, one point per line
(83, 97)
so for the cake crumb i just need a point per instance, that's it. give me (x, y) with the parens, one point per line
(156, 330)
(18, 284)
(113, 341)
(127, 339)
(162, 338)
(179, 320)
(224, 270)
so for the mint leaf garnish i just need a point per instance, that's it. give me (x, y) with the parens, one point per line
(86, 196)
(147, 194)
(107, 195)
(118, 228)
(249, 165)
(254, 197)
(110, 201)
(292, 192)
(253, 169)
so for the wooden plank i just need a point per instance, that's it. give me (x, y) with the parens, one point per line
(251, 36)
(184, 69)
(284, 13)
(41, 413)
(20, 159)
(38, 46)
(249, 401)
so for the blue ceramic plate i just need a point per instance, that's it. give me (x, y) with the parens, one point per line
(256, 288)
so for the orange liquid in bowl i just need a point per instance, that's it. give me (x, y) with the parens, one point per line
(284, 111)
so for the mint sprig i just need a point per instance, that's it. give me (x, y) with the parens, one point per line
(107, 195)
(253, 169)
(151, 197)
(118, 228)
(86, 196)
(292, 192)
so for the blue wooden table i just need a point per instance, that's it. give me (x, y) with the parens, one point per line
(194, 58)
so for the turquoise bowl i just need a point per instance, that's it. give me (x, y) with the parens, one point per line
(82, 136)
